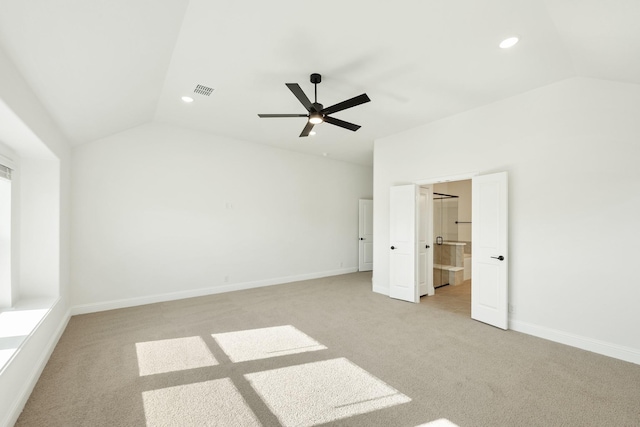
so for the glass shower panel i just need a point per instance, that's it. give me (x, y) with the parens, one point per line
(450, 219)
(437, 240)
(445, 229)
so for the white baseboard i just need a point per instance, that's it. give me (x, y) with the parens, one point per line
(151, 299)
(627, 354)
(30, 382)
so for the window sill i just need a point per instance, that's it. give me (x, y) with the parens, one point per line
(18, 323)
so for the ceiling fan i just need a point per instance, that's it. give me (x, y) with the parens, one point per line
(317, 112)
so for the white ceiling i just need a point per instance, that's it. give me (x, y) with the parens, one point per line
(104, 66)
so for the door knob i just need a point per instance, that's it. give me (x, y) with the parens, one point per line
(499, 258)
(393, 247)
(362, 238)
(427, 246)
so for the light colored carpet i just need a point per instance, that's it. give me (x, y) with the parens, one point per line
(321, 352)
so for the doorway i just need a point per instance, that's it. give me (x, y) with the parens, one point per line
(489, 295)
(451, 242)
(365, 230)
(452, 229)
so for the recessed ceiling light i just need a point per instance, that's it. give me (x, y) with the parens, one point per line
(187, 99)
(325, 154)
(507, 43)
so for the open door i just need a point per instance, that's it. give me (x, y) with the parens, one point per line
(489, 298)
(402, 246)
(425, 239)
(365, 226)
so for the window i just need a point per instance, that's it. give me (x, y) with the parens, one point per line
(5, 236)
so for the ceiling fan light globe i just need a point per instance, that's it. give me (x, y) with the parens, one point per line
(316, 118)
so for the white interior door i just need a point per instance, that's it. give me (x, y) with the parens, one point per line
(489, 298)
(365, 247)
(402, 245)
(425, 233)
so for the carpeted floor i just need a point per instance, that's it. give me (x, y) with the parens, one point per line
(321, 352)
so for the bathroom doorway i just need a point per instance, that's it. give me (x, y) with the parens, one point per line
(452, 246)
(489, 293)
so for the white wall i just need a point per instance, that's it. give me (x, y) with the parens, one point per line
(41, 194)
(161, 212)
(571, 150)
(39, 241)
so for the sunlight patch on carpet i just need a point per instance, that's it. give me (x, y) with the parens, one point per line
(157, 357)
(209, 403)
(442, 422)
(254, 344)
(322, 392)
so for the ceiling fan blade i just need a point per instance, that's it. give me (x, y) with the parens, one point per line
(264, 116)
(341, 123)
(356, 100)
(297, 91)
(307, 129)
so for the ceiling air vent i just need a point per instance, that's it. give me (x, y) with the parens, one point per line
(203, 90)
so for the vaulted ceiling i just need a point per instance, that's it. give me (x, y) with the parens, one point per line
(103, 66)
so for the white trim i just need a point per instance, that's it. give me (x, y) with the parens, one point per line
(27, 387)
(627, 354)
(448, 178)
(151, 299)
(6, 161)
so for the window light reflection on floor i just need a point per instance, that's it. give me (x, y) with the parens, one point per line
(254, 344)
(209, 403)
(156, 357)
(322, 392)
(442, 422)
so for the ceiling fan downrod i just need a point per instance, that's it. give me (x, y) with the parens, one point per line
(315, 79)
